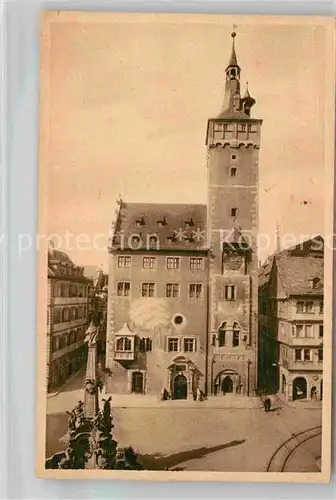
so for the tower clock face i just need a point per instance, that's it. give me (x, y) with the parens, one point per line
(233, 260)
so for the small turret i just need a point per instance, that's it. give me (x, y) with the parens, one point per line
(247, 101)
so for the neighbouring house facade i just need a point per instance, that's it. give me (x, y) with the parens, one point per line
(291, 321)
(68, 304)
(183, 279)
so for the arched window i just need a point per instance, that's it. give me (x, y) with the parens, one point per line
(222, 335)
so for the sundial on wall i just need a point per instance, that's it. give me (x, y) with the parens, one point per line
(233, 260)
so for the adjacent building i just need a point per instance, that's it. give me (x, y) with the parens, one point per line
(183, 279)
(291, 321)
(68, 302)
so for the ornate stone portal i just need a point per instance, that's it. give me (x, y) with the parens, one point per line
(183, 378)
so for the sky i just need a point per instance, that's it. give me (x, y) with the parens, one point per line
(129, 110)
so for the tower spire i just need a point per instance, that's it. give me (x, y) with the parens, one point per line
(233, 58)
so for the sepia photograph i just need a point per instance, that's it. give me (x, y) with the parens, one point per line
(185, 247)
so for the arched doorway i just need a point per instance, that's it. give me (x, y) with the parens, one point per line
(299, 388)
(313, 393)
(284, 384)
(137, 382)
(227, 385)
(180, 387)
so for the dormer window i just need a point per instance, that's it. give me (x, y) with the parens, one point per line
(171, 239)
(162, 222)
(190, 239)
(315, 283)
(140, 222)
(153, 241)
(189, 223)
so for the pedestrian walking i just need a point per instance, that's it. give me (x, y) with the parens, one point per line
(267, 404)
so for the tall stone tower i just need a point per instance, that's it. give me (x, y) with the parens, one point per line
(232, 140)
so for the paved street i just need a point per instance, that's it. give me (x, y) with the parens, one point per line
(197, 437)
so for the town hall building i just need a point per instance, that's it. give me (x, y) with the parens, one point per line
(183, 279)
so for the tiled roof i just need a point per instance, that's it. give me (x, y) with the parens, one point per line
(296, 274)
(177, 226)
(60, 266)
(265, 272)
(300, 251)
(231, 114)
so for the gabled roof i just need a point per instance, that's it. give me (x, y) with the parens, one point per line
(296, 274)
(177, 226)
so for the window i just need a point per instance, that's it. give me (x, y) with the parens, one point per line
(153, 241)
(189, 345)
(321, 307)
(135, 241)
(214, 340)
(233, 157)
(249, 128)
(234, 212)
(304, 331)
(242, 128)
(321, 331)
(300, 307)
(124, 261)
(308, 331)
(230, 292)
(127, 344)
(320, 354)
(178, 319)
(173, 262)
(306, 354)
(197, 263)
(124, 344)
(297, 354)
(281, 306)
(120, 345)
(65, 315)
(173, 345)
(233, 171)
(235, 338)
(149, 344)
(123, 288)
(57, 316)
(54, 344)
(218, 127)
(221, 336)
(149, 262)
(172, 290)
(195, 291)
(299, 331)
(304, 307)
(148, 289)
(309, 307)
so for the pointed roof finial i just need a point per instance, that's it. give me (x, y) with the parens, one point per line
(247, 93)
(233, 58)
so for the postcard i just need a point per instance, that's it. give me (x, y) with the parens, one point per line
(185, 237)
